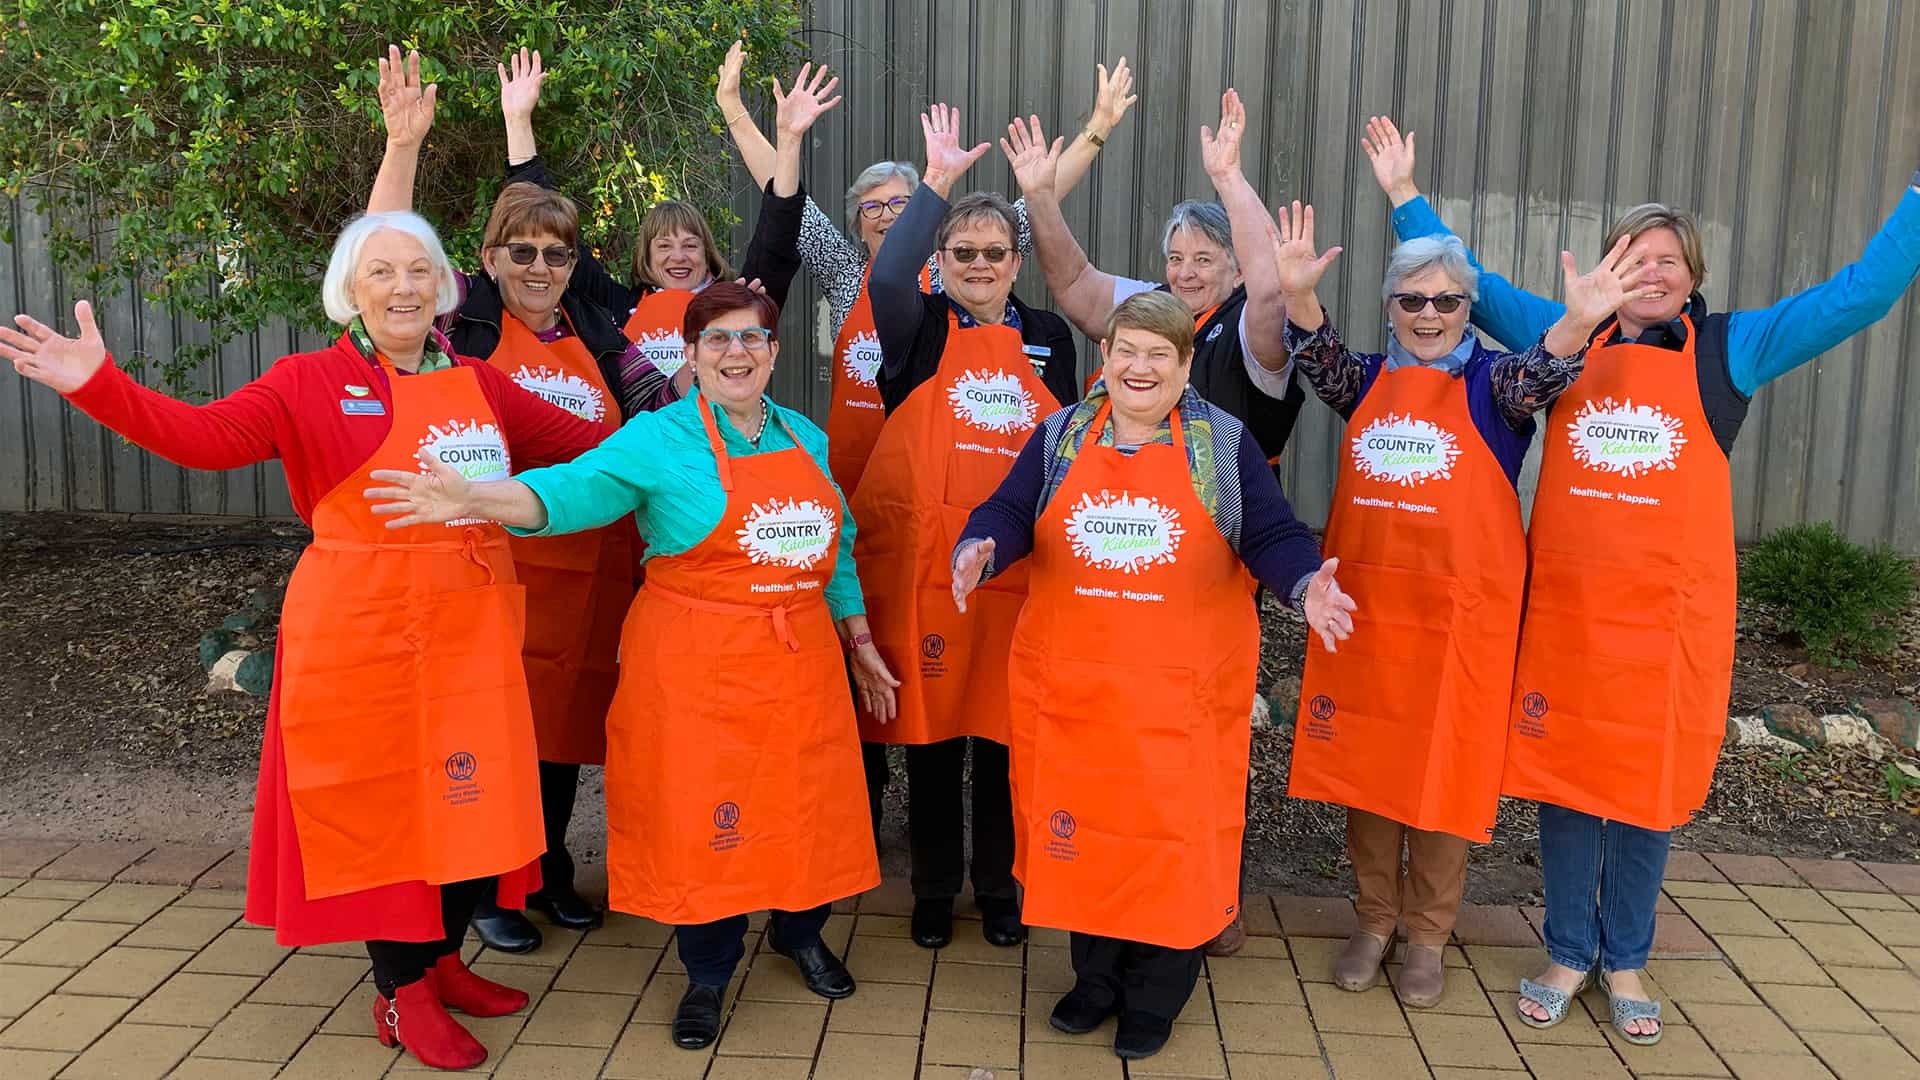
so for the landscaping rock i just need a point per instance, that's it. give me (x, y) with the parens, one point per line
(1896, 719)
(214, 644)
(1283, 700)
(1794, 722)
(1262, 717)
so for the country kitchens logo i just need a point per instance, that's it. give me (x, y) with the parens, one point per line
(862, 359)
(664, 349)
(472, 449)
(1624, 438)
(993, 401)
(1123, 532)
(570, 392)
(1405, 450)
(784, 532)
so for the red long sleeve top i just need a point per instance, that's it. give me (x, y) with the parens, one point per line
(293, 413)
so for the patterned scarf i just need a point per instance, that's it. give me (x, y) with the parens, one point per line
(1196, 431)
(437, 357)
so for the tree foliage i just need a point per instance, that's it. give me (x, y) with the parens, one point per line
(209, 150)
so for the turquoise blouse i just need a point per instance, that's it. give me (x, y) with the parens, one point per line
(659, 468)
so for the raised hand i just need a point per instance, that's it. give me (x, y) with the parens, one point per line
(946, 159)
(1392, 158)
(968, 569)
(1220, 148)
(726, 89)
(1616, 281)
(405, 104)
(875, 683)
(520, 81)
(1036, 165)
(1112, 96)
(1300, 267)
(61, 363)
(806, 102)
(1329, 610)
(439, 494)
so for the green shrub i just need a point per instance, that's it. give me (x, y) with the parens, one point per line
(1842, 600)
(211, 149)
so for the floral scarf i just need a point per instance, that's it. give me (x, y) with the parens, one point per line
(1196, 431)
(437, 357)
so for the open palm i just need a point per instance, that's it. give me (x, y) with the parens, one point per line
(1036, 165)
(1593, 296)
(1391, 155)
(520, 82)
(941, 127)
(1220, 147)
(1300, 265)
(61, 363)
(812, 95)
(405, 104)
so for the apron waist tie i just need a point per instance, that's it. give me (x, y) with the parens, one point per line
(780, 615)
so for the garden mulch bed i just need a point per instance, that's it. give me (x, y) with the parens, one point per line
(108, 729)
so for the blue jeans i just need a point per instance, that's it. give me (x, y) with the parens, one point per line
(1602, 884)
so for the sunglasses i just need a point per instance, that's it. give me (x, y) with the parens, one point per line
(894, 206)
(753, 338)
(966, 253)
(556, 256)
(1445, 303)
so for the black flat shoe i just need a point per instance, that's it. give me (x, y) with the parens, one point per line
(507, 931)
(933, 923)
(1140, 1035)
(1000, 922)
(696, 1023)
(823, 971)
(1080, 1011)
(564, 907)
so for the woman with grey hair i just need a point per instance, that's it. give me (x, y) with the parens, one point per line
(397, 775)
(1406, 726)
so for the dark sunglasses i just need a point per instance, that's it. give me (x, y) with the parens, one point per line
(1445, 303)
(894, 206)
(557, 256)
(966, 253)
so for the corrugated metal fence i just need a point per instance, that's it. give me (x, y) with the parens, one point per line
(1789, 126)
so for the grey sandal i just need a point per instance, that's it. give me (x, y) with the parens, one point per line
(1627, 1010)
(1555, 1001)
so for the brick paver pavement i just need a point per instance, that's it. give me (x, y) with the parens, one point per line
(130, 961)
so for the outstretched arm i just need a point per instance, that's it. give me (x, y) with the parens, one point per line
(756, 153)
(1081, 292)
(406, 106)
(1266, 310)
(1112, 96)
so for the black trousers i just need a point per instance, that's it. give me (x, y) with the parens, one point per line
(873, 757)
(936, 822)
(397, 963)
(1141, 978)
(712, 950)
(558, 785)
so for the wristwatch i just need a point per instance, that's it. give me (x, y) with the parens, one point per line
(858, 640)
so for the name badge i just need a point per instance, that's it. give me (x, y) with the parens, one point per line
(371, 407)
(1036, 350)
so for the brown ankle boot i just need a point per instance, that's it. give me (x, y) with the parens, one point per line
(1423, 978)
(1358, 966)
(1230, 940)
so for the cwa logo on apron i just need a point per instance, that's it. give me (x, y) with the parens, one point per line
(1625, 438)
(474, 450)
(1405, 450)
(992, 401)
(664, 349)
(1123, 532)
(786, 532)
(863, 358)
(570, 392)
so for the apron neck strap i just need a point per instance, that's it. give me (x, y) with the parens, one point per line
(1101, 418)
(719, 445)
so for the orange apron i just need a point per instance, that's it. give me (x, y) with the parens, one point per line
(733, 777)
(856, 413)
(409, 745)
(1408, 719)
(656, 325)
(578, 585)
(1131, 668)
(1626, 660)
(942, 453)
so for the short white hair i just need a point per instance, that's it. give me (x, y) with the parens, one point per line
(1448, 254)
(336, 291)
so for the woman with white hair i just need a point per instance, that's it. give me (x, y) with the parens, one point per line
(1406, 726)
(397, 775)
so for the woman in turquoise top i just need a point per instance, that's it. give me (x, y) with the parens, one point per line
(1602, 874)
(734, 780)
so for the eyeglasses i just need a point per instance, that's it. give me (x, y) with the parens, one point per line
(871, 210)
(556, 256)
(753, 338)
(1445, 303)
(966, 253)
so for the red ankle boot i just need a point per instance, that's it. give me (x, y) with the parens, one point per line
(416, 1020)
(459, 988)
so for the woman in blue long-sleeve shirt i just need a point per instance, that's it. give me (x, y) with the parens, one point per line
(1626, 659)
